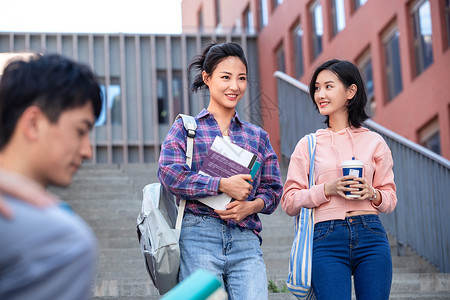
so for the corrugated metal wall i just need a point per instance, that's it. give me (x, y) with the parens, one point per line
(145, 83)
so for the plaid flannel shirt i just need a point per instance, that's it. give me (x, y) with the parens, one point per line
(187, 184)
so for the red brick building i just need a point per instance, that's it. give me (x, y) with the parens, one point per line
(401, 47)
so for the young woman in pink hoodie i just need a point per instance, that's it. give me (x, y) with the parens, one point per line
(349, 238)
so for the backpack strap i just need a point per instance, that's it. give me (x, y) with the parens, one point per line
(190, 125)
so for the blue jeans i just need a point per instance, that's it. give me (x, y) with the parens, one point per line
(355, 246)
(233, 254)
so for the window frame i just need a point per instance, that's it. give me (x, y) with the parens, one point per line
(276, 3)
(200, 21)
(389, 72)
(419, 45)
(263, 14)
(280, 57)
(447, 21)
(298, 49)
(334, 16)
(316, 40)
(428, 132)
(247, 17)
(217, 12)
(109, 109)
(362, 63)
(357, 4)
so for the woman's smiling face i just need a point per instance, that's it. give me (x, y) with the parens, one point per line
(331, 95)
(227, 83)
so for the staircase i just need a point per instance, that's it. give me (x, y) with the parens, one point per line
(109, 197)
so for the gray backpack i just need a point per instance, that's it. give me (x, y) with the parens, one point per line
(159, 225)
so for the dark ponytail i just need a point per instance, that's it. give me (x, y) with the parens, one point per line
(211, 56)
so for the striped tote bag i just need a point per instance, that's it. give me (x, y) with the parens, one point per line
(299, 278)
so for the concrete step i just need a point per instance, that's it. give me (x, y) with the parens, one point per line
(423, 286)
(109, 198)
(406, 286)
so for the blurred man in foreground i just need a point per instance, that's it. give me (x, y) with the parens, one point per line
(48, 105)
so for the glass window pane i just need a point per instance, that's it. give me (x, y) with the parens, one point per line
(248, 21)
(447, 18)
(426, 33)
(338, 16)
(434, 143)
(276, 3)
(359, 3)
(217, 2)
(200, 20)
(392, 65)
(163, 105)
(423, 47)
(297, 36)
(262, 13)
(396, 64)
(111, 100)
(317, 23)
(318, 20)
(368, 78)
(177, 91)
(280, 59)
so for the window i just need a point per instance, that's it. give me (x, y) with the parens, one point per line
(275, 3)
(248, 21)
(338, 14)
(200, 20)
(262, 14)
(447, 20)
(217, 7)
(280, 59)
(365, 68)
(422, 32)
(359, 3)
(297, 41)
(392, 64)
(177, 93)
(429, 136)
(163, 96)
(163, 101)
(111, 98)
(317, 28)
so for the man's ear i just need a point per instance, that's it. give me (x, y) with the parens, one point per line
(205, 77)
(31, 122)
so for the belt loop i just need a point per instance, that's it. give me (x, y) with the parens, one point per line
(363, 220)
(331, 225)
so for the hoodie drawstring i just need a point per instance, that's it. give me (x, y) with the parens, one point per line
(353, 144)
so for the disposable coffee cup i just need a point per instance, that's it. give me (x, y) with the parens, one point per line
(352, 167)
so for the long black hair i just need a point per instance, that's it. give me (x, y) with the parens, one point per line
(211, 56)
(348, 74)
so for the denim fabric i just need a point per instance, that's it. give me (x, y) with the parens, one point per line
(355, 246)
(232, 254)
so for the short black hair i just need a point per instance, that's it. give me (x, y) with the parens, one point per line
(348, 74)
(51, 82)
(211, 56)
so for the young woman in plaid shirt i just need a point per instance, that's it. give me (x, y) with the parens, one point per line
(224, 242)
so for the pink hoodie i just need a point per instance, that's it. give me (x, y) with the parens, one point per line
(332, 148)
